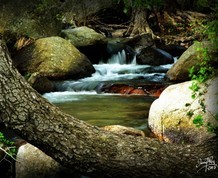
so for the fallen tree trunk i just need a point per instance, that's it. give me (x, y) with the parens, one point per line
(89, 149)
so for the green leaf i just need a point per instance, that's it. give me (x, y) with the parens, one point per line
(193, 96)
(198, 121)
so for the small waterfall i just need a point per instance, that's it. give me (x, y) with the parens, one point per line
(120, 58)
(134, 60)
(116, 69)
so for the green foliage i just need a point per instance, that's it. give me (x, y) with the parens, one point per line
(198, 121)
(205, 5)
(8, 146)
(211, 31)
(201, 4)
(43, 5)
(204, 71)
(147, 4)
(210, 127)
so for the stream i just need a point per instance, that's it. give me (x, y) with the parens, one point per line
(82, 99)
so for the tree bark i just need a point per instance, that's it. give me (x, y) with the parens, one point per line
(86, 148)
(139, 24)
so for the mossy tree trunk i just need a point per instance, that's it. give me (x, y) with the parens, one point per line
(86, 148)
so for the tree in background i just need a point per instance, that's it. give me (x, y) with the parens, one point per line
(139, 10)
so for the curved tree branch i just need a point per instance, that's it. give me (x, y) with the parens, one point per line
(86, 148)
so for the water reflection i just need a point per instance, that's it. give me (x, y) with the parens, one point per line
(101, 110)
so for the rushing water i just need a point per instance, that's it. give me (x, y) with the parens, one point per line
(81, 98)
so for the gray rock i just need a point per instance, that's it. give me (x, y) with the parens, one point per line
(140, 41)
(154, 56)
(33, 163)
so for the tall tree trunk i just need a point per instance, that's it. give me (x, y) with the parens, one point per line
(86, 148)
(139, 24)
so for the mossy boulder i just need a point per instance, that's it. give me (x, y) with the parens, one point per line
(82, 36)
(191, 57)
(55, 58)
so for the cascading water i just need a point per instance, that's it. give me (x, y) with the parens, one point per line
(116, 69)
(81, 99)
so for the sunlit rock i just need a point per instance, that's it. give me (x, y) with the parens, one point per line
(55, 58)
(124, 130)
(171, 116)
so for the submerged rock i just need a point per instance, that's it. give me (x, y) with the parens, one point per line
(55, 58)
(142, 89)
(121, 89)
(171, 116)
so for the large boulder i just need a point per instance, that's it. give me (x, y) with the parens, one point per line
(154, 56)
(171, 116)
(82, 36)
(88, 41)
(32, 162)
(191, 57)
(55, 58)
(40, 83)
(140, 41)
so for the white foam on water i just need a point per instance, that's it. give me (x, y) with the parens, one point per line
(66, 96)
(116, 69)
